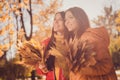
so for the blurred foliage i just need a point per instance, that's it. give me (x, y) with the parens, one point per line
(115, 44)
(117, 21)
(107, 20)
(10, 70)
(14, 15)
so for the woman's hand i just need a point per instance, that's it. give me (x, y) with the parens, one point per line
(43, 68)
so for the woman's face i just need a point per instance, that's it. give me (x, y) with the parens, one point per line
(70, 21)
(58, 24)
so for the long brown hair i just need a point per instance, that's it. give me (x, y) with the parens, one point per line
(52, 40)
(82, 19)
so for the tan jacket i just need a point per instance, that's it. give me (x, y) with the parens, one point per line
(103, 69)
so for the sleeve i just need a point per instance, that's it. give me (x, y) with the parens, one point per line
(103, 60)
(102, 67)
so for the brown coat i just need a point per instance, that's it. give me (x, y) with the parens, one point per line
(103, 69)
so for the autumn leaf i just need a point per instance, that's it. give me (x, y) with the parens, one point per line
(11, 32)
(26, 1)
(119, 14)
(4, 18)
(1, 5)
(40, 2)
(21, 5)
(1, 53)
(17, 12)
(31, 52)
(5, 47)
(2, 32)
(118, 28)
(6, 28)
(117, 20)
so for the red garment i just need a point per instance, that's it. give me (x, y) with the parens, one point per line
(50, 75)
(61, 76)
(46, 41)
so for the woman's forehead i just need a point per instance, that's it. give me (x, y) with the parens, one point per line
(58, 15)
(68, 13)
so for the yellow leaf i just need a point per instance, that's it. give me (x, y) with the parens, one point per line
(26, 1)
(5, 47)
(4, 18)
(1, 5)
(17, 12)
(2, 32)
(119, 14)
(0, 47)
(21, 5)
(1, 53)
(118, 29)
(40, 2)
(8, 27)
(117, 20)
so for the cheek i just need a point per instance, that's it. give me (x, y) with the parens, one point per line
(55, 26)
(55, 29)
(77, 25)
(74, 23)
(66, 24)
(61, 24)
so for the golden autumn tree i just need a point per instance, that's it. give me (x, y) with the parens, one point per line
(44, 17)
(22, 20)
(6, 28)
(22, 16)
(107, 20)
(115, 43)
(117, 20)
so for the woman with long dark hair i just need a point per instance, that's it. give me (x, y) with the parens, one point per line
(58, 29)
(100, 66)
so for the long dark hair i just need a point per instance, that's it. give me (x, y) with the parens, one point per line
(50, 60)
(82, 19)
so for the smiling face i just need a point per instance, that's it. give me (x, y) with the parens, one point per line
(71, 22)
(58, 24)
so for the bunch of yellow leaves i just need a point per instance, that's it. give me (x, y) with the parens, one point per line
(75, 53)
(31, 52)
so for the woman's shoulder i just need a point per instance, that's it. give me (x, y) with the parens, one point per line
(98, 30)
(96, 34)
